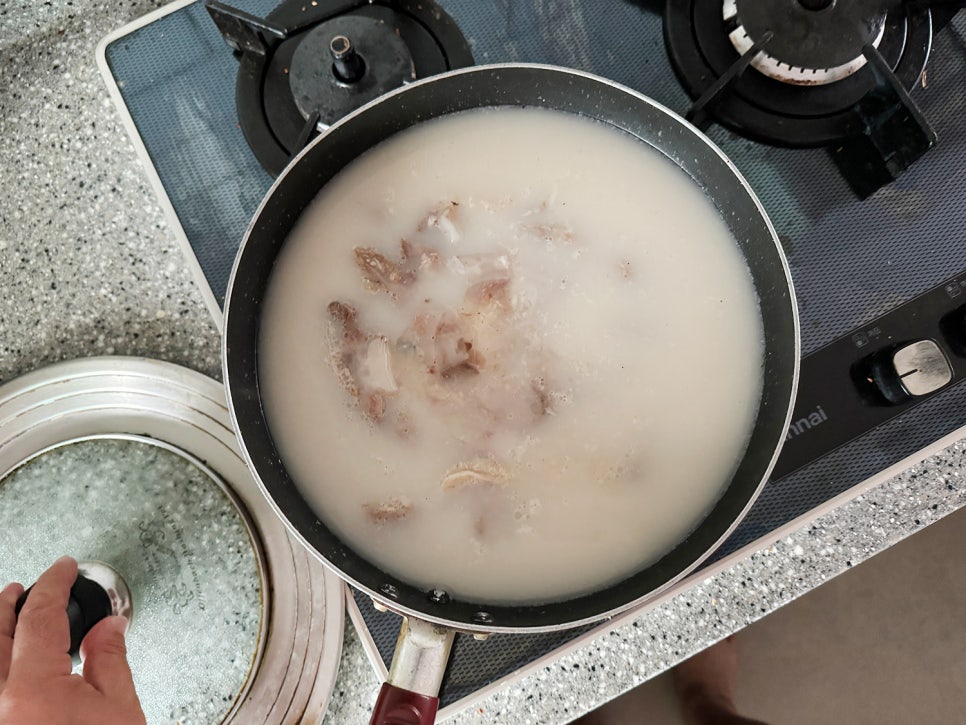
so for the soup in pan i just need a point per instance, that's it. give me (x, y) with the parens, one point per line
(513, 354)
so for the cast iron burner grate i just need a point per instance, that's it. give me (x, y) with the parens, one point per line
(311, 62)
(810, 73)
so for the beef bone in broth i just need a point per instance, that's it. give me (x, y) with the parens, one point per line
(512, 353)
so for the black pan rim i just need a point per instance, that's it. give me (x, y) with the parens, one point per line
(483, 617)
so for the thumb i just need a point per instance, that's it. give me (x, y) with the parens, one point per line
(105, 660)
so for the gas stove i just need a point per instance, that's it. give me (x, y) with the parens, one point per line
(849, 123)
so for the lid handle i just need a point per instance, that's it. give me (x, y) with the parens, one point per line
(98, 592)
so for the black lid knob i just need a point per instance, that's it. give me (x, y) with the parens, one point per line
(89, 602)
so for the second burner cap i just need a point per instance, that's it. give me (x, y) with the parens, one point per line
(346, 62)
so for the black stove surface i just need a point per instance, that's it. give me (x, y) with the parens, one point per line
(868, 273)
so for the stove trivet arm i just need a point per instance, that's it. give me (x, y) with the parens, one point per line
(309, 130)
(700, 113)
(244, 32)
(942, 11)
(886, 77)
(953, 5)
(894, 133)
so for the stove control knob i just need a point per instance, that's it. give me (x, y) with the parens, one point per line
(910, 371)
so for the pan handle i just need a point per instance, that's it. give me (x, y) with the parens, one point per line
(410, 694)
(396, 706)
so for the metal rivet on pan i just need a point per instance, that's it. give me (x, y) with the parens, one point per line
(379, 606)
(483, 618)
(438, 596)
(390, 591)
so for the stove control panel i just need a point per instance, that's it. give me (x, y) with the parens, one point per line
(876, 373)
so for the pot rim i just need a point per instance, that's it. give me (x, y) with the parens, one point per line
(483, 628)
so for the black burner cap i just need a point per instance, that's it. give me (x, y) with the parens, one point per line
(382, 61)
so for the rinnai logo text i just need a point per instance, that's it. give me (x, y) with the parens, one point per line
(813, 419)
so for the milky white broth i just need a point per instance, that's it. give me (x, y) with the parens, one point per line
(617, 342)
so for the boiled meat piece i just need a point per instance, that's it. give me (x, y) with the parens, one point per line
(384, 274)
(468, 354)
(440, 341)
(443, 218)
(550, 231)
(482, 471)
(362, 362)
(392, 509)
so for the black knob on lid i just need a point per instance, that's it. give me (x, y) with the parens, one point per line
(88, 604)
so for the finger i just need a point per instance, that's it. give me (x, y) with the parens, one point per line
(8, 621)
(43, 634)
(104, 654)
(8, 602)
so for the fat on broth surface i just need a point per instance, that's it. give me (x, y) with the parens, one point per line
(513, 353)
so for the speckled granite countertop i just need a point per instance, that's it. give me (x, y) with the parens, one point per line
(89, 268)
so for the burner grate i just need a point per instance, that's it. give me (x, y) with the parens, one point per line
(306, 65)
(835, 76)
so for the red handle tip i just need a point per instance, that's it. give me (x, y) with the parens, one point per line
(396, 706)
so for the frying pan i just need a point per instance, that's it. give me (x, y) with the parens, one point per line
(431, 617)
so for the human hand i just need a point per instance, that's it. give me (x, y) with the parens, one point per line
(36, 684)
